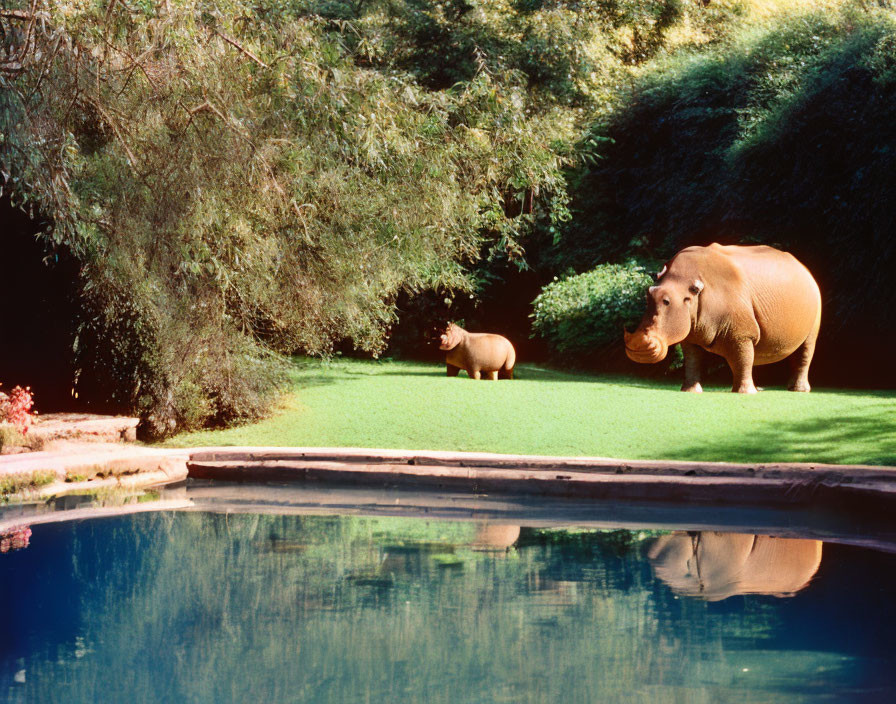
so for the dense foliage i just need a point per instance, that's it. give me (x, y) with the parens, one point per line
(782, 135)
(232, 184)
(580, 316)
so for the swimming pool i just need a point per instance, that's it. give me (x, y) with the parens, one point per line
(301, 595)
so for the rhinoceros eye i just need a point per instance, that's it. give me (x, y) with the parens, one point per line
(666, 302)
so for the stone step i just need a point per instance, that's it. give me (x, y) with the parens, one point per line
(83, 427)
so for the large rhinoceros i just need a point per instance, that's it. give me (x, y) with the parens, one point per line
(750, 305)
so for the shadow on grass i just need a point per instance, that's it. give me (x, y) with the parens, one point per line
(309, 373)
(867, 436)
(307, 380)
(312, 373)
(434, 372)
(533, 373)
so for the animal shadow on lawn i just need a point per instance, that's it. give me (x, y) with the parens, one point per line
(309, 372)
(531, 372)
(866, 437)
(527, 372)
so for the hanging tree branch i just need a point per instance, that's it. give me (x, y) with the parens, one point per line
(23, 15)
(239, 47)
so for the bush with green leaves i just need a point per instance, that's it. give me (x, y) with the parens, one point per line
(581, 316)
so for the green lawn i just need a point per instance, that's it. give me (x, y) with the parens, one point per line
(412, 405)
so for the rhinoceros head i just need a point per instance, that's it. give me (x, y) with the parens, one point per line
(671, 312)
(451, 337)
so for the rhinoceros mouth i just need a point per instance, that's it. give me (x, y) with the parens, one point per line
(644, 348)
(644, 357)
(447, 345)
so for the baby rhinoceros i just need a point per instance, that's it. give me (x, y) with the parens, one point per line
(480, 353)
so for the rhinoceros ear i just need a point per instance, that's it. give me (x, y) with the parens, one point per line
(662, 273)
(696, 287)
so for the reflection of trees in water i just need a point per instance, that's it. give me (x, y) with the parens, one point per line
(241, 607)
(715, 566)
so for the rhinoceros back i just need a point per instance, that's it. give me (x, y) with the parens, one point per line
(487, 352)
(785, 298)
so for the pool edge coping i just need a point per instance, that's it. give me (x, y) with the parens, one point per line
(135, 466)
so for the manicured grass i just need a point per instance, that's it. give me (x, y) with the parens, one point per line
(414, 406)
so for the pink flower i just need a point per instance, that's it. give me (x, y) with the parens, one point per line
(15, 538)
(15, 408)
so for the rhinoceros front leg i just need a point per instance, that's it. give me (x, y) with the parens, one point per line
(452, 370)
(693, 362)
(740, 359)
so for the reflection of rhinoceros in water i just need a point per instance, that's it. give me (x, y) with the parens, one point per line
(492, 536)
(714, 566)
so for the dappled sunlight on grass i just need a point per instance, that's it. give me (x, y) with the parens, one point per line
(865, 434)
(409, 405)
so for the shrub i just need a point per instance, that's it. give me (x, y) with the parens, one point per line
(15, 408)
(11, 436)
(581, 316)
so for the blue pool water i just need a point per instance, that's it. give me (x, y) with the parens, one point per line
(210, 607)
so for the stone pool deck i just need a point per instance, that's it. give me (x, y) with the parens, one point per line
(81, 468)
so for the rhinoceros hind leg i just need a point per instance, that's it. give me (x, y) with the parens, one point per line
(799, 385)
(492, 376)
(505, 373)
(474, 373)
(799, 365)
